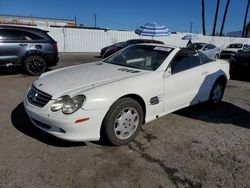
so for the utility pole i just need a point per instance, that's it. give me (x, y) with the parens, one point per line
(191, 27)
(95, 16)
(75, 22)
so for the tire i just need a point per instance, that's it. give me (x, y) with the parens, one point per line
(35, 65)
(217, 92)
(217, 56)
(122, 122)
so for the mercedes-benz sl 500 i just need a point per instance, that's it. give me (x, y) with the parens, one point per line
(114, 97)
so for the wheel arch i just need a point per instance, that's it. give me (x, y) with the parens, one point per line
(140, 100)
(222, 78)
(137, 98)
(34, 53)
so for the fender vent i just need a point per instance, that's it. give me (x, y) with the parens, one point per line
(154, 100)
(127, 70)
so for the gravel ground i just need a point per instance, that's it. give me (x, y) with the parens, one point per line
(200, 146)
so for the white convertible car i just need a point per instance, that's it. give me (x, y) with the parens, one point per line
(113, 98)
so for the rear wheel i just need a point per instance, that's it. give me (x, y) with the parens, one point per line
(35, 65)
(123, 121)
(217, 92)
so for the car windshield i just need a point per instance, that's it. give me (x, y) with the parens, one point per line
(121, 44)
(196, 46)
(247, 50)
(144, 57)
(235, 46)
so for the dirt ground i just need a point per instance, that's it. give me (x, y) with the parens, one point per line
(200, 146)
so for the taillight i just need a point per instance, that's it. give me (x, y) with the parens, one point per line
(55, 47)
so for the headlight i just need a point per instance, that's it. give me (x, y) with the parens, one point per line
(67, 104)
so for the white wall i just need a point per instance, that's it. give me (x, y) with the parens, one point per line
(87, 40)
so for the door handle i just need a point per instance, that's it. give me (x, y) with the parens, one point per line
(22, 44)
(204, 73)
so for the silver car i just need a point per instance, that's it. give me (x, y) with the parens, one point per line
(209, 50)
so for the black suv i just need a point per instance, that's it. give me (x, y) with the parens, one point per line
(31, 48)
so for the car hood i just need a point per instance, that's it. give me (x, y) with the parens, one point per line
(78, 78)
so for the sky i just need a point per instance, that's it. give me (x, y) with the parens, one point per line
(129, 14)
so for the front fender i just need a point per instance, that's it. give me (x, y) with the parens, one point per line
(146, 87)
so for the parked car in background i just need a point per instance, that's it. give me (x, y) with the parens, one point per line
(209, 50)
(31, 48)
(111, 99)
(103, 50)
(232, 49)
(240, 61)
(109, 50)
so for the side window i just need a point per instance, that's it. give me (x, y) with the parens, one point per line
(210, 47)
(8, 34)
(184, 60)
(31, 36)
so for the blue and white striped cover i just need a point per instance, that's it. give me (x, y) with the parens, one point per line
(153, 29)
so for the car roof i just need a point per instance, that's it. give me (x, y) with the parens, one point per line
(21, 28)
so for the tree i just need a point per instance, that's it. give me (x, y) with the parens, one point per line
(245, 20)
(203, 17)
(224, 18)
(216, 16)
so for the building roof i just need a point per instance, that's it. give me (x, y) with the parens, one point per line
(38, 18)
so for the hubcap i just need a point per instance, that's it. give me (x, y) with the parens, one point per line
(36, 65)
(126, 123)
(217, 93)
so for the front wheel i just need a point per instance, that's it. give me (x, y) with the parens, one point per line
(35, 65)
(217, 56)
(123, 121)
(217, 92)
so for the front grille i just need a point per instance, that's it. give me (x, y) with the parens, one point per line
(37, 97)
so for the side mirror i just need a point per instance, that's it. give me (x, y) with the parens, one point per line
(167, 72)
(205, 49)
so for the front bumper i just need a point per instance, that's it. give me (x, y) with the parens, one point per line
(226, 55)
(64, 126)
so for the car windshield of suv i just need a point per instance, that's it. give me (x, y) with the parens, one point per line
(141, 57)
(121, 44)
(235, 46)
(196, 46)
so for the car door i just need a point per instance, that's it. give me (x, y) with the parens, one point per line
(183, 85)
(12, 46)
(208, 50)
(205, 50)
(213, 50)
